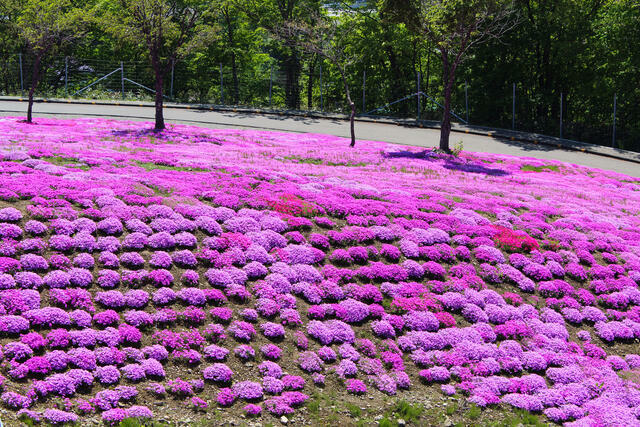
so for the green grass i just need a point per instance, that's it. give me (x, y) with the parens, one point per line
(408, 411)
(66, 161)
(313, 404)
(350, 164)
(135, 422)
(354, 410)
(317, 161)
(160, 191)
(531, 168)
(474, 412)
(27, 421)
(520, 418)
(386, 422)
(149, 166)
(309, 160)
(451, 409)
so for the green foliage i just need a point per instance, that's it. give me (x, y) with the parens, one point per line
(130, 422)
(154, 166)
(313, 406)
(66, 161)
(167, 30)
(354, 410)
(520, 417)
(453, 27)
(407, 411)
(457, 149)
(27, 421)
(584, 49)
(473, 413)
(136, 422)
(451, 408)
(531, 168)
(45, 26)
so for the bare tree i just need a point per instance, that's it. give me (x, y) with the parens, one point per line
(45, 26)
(453, 27)
(168, 29)
(321, 36)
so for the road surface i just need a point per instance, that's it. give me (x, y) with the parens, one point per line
(391, 133)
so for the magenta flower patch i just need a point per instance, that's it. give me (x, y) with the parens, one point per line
(380, 269)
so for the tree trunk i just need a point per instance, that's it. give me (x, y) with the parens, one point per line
(396, 76)
(35, 79)
(236, 85)
(448, 71)
(312, 67)
(352, 105)
(159, 100)
(352, 124)
(428, 77)
(234, 67)
(445, 127)
(292, 75)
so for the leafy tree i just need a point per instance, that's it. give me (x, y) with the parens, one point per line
(322, 37)
(229, 14)
(616, 50)
(273, 15)
(167, 29)
(453, 27)
(9, 13)
(44, 26)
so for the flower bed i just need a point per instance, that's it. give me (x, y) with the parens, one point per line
(205, 264)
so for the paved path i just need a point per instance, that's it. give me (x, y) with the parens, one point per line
(365, 130)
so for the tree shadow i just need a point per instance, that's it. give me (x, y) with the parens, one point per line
(281, 116)
(474, 168)
(147, 132)
(450, 162)
(168, 135)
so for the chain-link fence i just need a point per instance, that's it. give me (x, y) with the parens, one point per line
(320, 88)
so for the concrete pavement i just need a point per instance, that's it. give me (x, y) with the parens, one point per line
(473, 138)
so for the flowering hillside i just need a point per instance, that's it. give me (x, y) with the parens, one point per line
(146, 274)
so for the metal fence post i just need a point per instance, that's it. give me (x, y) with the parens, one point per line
(466, 99)
(615, 105)
(122, 79)
(21, 80)
(561, 104)
(364, 87)
(513, 109)
(221, 86)
(173, 64)
(66, 76)
(321, 100)
(270, 84)
(418, 115)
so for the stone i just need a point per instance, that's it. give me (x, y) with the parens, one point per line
(284, 420)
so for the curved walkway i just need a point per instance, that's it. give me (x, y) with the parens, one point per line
(606, 158)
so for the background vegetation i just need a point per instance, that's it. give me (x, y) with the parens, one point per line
(586, 50)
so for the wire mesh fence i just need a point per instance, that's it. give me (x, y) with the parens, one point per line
(317, 86)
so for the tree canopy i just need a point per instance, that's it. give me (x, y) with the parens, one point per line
(584, 50)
